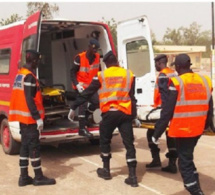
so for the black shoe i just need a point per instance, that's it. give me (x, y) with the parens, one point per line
(104, 173)
(170, 169)
(198, 192)
(132, 181)
(154, 164)
(85, 132)
(24, 181)
(43, 181)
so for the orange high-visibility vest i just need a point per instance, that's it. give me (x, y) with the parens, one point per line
(190, 113)
(157, 97)
(114, 92)
(19, 110)
(87, 71)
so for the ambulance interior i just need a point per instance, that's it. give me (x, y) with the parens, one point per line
(60, 42)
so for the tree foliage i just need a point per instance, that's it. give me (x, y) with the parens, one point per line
(112, 26)
(47, 9)
(153, 37)
(188, 36)
(11, 19)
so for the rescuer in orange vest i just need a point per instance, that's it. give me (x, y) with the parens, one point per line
(190, 110)
(26, 106)
(160, 98)
(85, 66)
(116, 87)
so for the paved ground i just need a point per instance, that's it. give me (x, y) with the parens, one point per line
(74, 167)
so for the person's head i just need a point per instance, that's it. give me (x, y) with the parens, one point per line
(182, 63)
(32, 58)
(160, 62)
(93, 46)
(110, 59)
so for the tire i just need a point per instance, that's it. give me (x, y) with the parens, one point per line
(95, 142)
(9, 145)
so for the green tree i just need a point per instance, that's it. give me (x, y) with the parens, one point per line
(11, 19)
(112, 26)
(47, 8)
(192, 34)
(173, 36)
(188, 36)
(153, 37)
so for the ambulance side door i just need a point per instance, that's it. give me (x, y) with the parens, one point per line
(135, 52)
(31, 34)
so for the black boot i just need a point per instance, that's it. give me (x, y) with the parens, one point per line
(199, 192)
(82, 130)
(24, 181)
(24, 178)
(40, 179)
(156, 162)
(85, 132)
(43, 181)
(194, 190)
(105, 171)
(171, 168)
(197, 178)
(88, 118)
(132, 179)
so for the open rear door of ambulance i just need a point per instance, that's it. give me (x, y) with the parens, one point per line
(31, 34)
(135, 52)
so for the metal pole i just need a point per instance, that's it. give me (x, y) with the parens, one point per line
(212, 11)
(213, 51)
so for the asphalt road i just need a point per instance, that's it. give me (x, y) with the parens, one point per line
(74, 167)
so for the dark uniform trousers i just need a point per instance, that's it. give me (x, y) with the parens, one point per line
(185, 148)
(117, 119)
(172, 153)
(84, 112)
(30, 147)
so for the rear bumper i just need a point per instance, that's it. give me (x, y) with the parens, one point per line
(60, 132)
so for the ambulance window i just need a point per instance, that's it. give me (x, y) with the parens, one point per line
(28, 43)
(138, 58)
(5, 61)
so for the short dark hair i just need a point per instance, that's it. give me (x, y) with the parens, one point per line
(182, 60)
(110, 59)
(162, 58)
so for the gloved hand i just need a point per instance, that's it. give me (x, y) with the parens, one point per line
(40, 124)
(80, 88)
(155, 141)
(137, 123)
(71, 115)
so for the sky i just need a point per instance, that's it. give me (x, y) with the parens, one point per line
(161, 14)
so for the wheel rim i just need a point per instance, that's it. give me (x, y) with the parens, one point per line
(6, 136)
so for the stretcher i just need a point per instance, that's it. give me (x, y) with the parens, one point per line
(149, 115)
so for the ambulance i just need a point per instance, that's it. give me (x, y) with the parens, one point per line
(59, 41)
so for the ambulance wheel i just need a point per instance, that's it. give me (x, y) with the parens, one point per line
(95, 142)
(9, 145)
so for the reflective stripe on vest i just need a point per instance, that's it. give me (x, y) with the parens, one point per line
(87, 71)
(115, 97)
(19, 110)
(190, 114)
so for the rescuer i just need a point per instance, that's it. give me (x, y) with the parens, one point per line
(85, 66)
(190, 111)
(26, 106)
(160, 98)
(116, 87)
